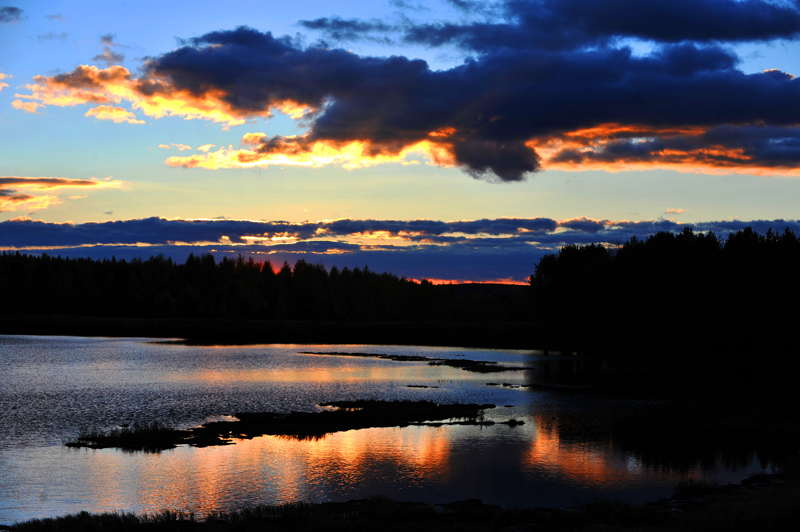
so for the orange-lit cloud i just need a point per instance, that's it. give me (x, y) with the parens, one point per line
(299, 151)
(28, 107)
(2, 84)
(25, 202)
(675, 211)
(180, 147)
(115, 114)
(26, 199)
(157, 98)
(500, 116)
(619, 148)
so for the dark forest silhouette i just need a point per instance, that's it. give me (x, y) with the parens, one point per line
(239, 288)
(669, 297)
(674, 295)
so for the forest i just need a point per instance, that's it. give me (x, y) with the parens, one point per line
(240, 288)
(671, 295)
(674, 295)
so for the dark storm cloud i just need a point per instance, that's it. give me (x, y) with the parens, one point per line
(10, 14)
(496, 104)
(566, 24)
(543, 74)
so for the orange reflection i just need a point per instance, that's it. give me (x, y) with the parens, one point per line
(589, 464)
(268, 469)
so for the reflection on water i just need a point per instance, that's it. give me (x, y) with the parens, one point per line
(57, 386)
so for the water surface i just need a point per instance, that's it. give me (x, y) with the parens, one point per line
(55, 387)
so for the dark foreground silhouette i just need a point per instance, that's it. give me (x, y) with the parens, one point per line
(760, 503)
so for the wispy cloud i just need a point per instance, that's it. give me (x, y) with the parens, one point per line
(26, 193)
(109, 56)
(115, 114)
(52, 36)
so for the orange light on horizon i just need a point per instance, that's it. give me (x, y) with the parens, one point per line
(438, 282)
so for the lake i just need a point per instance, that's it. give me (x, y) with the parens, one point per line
(53, 388)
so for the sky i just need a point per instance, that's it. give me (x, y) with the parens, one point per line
(450, 140)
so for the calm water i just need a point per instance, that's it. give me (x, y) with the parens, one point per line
(55, 387)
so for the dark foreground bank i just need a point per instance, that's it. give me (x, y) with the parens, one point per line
(759, 503)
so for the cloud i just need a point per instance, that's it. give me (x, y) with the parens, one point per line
(57, 17)
(10, 15)
(475, 250)
(574, 24)
(13, 200)
(54, 182)
(2, 77)
(52, 36)
(109, 56)
(675, 211)
(115, 114)
(339, 29)
(183, 147)
(28, 107)
(549, 85)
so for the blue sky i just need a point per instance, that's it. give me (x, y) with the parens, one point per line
(543, 123)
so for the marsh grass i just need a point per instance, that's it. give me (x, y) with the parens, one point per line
(773, 508)
(740, 507)
(343, 415)
(149, 437)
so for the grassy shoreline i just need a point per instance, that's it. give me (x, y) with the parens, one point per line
(764, 502)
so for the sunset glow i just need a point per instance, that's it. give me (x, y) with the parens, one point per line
(449, 115)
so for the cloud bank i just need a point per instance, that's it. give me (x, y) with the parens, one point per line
(546, 84)
(473, 250)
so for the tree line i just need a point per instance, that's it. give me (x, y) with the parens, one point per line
(203, 287)
(673, 296)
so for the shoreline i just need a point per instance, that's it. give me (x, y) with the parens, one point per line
(483, 334)
(761, 502)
